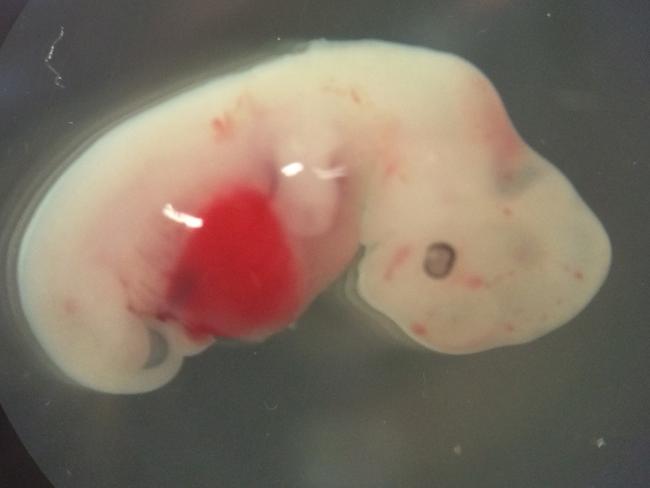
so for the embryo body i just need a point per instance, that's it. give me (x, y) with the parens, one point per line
(223, 211)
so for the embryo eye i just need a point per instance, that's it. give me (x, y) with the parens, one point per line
(439, 260)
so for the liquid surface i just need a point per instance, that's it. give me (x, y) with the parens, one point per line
(222, 213)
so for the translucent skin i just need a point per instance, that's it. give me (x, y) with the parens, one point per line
(224, 211)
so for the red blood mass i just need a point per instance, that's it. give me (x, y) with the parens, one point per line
(237, 275)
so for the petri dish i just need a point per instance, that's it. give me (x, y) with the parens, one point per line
(333, 402)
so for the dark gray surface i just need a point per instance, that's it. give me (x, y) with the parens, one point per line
(334, 404)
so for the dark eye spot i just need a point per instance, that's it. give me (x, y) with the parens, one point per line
(439, 260)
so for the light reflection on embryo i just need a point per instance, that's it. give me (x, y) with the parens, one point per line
(182, 218)
(470, 239)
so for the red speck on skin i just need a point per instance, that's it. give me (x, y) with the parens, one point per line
(223, 126)
(351, 93)
(70, 306)
(418, 329)
(503, 138)
(400, 255)
(507, 211)
(390, 169)
(354, 94)
(575, 272)
(474, 282)
(509, 327)
(244, 110)
(492, 127)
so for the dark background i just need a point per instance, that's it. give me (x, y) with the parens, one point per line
(574, 77)
(16, 466)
